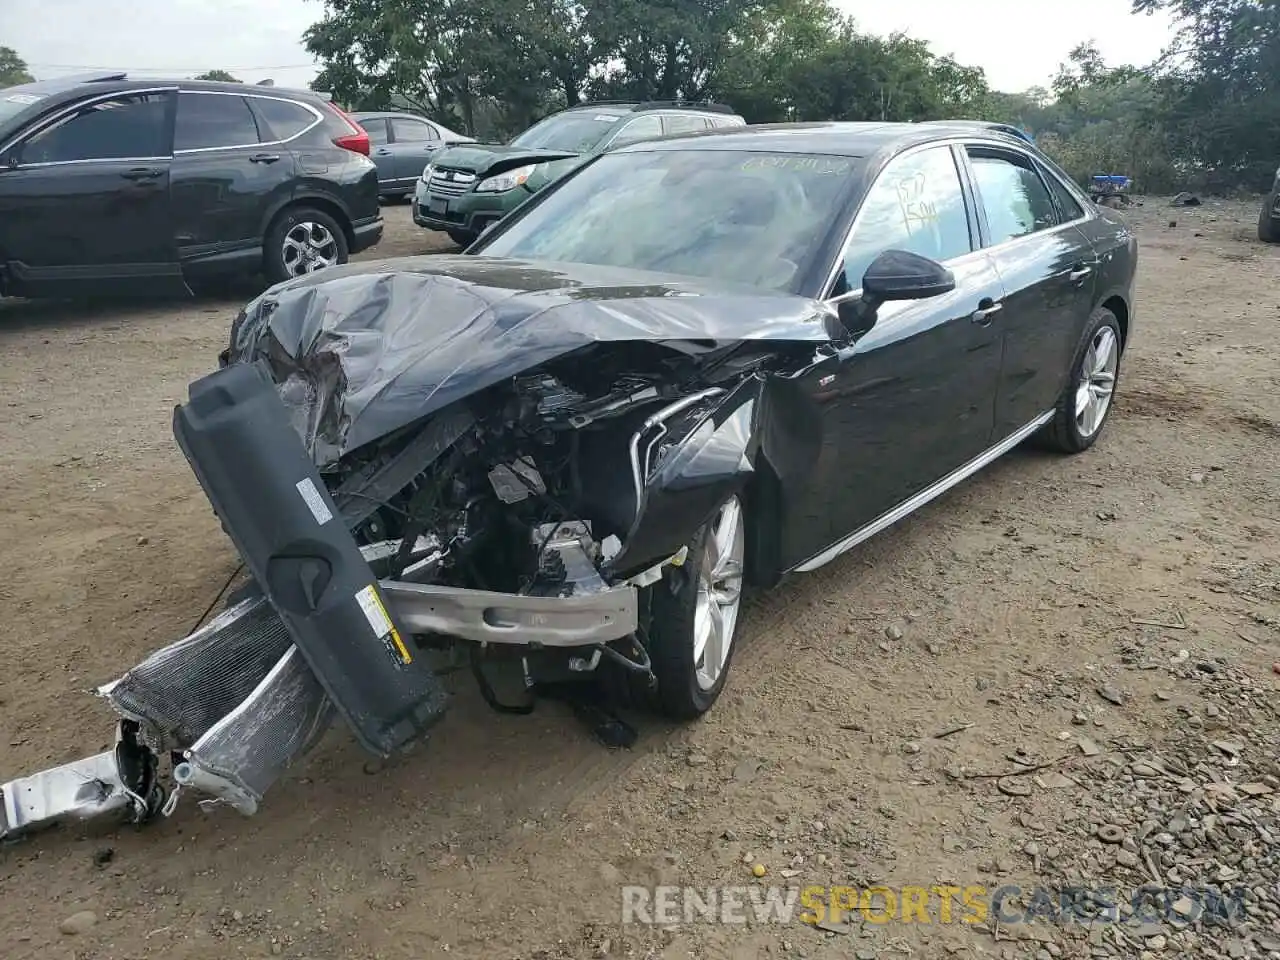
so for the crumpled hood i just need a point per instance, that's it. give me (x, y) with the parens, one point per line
(486, 158)
(362, 350)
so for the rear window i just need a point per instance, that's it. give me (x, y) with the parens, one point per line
(283, 118)
(208, 121)
(375, 127)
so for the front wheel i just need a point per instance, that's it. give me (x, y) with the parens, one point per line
(695, 617)
(1268, 226)
(1085, 403)
(302, 240)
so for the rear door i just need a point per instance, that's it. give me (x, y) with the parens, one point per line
(228, 172)
(1047, 267)
(413, 143)
(380, 152)
(84, 199)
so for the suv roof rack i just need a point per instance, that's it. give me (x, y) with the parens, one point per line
(638, 105)
(95, 77)
(706, 105)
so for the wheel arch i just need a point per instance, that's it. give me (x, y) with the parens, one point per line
(320, 202)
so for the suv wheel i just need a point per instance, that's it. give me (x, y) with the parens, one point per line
(300, 241)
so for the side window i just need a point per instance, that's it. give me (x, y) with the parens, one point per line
(916, 204)
(281, 119)
(1015, 198)
(683, 124)
(207, 120)
(641, 128)
(125, 127)
(1068, 206)
(413, 131)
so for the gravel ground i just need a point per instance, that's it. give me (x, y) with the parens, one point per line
(1059, 679)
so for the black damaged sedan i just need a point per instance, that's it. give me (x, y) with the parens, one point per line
(694, 365)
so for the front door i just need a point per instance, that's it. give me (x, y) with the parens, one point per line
(913, 399)
(84, 202)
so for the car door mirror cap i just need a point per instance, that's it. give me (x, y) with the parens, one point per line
(903, 275)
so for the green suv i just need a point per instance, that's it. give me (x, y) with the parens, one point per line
(467, 187)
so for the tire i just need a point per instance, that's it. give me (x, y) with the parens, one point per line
(686, 690)
(461, 239)
(328, 248)
(1268, 227)
(1070, 430)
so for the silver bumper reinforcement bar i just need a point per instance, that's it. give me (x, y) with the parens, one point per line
(235, 705)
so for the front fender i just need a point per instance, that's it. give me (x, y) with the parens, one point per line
(682, 484)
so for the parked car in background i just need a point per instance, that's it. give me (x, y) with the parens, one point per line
(1269, 215)
(467, 188)
(109, 184)
(401, 144)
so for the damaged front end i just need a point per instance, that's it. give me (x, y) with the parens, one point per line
(386, 512)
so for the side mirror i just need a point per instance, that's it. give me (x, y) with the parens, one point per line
(894, 275)
(902, 275)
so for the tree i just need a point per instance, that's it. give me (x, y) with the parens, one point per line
(1221, 85)
(13, 69)
(220, 75)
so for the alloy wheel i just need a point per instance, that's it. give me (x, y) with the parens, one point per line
(308, 247)
(719, 594)
(1097, 381)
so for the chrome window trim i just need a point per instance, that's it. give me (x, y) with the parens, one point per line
(964, 142)
(317, 119)
(68, 110)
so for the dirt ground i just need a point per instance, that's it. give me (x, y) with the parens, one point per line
(1114, 617)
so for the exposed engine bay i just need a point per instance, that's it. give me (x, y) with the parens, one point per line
(403, 497)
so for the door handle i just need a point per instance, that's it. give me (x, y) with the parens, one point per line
(264, 158)
(1079, 272)
(382, 153)
(982, 316)
(142, 173)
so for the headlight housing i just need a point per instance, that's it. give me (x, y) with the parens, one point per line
(507, 180)
(426, 172)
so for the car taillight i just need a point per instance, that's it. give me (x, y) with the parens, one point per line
(357, 140)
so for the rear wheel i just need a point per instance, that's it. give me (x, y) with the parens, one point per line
(302, 240)
(1084, 405)
(1268, 226)
(694, 620)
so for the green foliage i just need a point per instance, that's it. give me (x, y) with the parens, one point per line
(219, 75)
(493, 66)
(13, 69)
(1205, 116)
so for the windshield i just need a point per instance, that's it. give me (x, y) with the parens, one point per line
(578, 132)
(739, 217)
(14, 100)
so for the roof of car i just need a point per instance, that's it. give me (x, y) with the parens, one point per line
(109, 82)
(847, 139)
(639, 106)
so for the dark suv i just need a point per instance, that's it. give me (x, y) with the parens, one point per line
(467, 187)
(140, 186)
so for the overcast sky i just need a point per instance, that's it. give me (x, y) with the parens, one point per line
(1018, 42)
